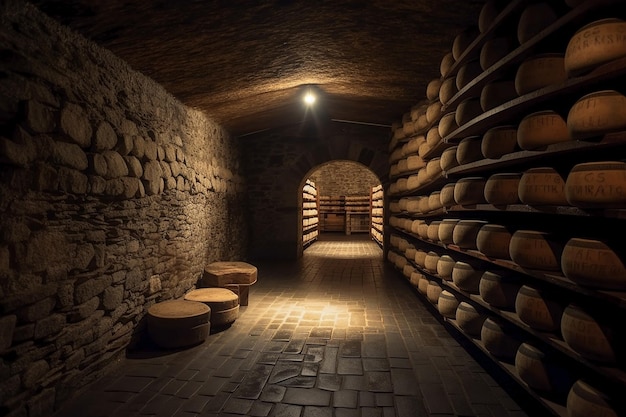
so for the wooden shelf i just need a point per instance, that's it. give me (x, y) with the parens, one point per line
(615, 298)
(572, 20)
(433, 185)
(514, 109)
(545, 210)
(608, 142)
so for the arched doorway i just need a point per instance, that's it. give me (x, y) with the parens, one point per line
(337, 199)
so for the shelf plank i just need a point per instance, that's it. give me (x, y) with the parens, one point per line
(609, 141)
(557, 410)
(505, 113)
(616, 298)
(574, 17)
(547, 210)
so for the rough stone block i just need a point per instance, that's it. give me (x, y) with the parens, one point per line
(69, 155)
(114, 188)
(170, 183)
(153, 187)
(97, 164)
(97, 185)
(43, 250)
(15, 232)
(139, 147)
(5, 259)
(151, 151)
(34, 373)
(106, 138)
(89, 289)
(16, 154)
(129, 127)
(72, 181)
(39, 118)
(83, 256)
(37, 310)
(175, 168)
(116, 165)
(152, 171)
(7, 327)
(170, 153)
(84, 310)
(41, 405)
(113, 297)
(49, 325)
(75, 125)
(134, 166)
(46, 178)
(180, 155)
(124, 144)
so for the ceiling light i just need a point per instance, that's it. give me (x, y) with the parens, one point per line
(309, 98)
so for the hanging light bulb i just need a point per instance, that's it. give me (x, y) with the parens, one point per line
(309, 98)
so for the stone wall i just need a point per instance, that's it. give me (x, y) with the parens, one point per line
(344, 178)
(113, 197)
(278, 163)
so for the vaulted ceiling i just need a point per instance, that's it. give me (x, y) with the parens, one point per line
(247, 63)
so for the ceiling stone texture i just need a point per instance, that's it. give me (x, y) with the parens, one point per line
(247, 63)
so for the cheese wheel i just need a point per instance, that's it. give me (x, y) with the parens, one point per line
(538, 310)
(433, 168)
(502, 189)
(493, 241)
(467, 110)
(447, 304)
(408, 270)
(497, 93)
(469, 319)
(493, 50)
(414, 162)
(433, 111)
(538, 72)
(470, 190)
(415, 278)
(412, 205)
(597, 114)
(432, 89)
(408, 128)
(433, 137)
(468, 150)
(417, 111)
(447, 194)
(448, 158)
(609, 43)
(446, 63)
(498, 340)
(597, 185)
(466, 276)
(424, 149)
(447, 124)
(422, 230)
(413, 145)
(465, 233)
(540, 371)
(498, 289)
(402, 166)
(538, 130)
(434, 201)
(488, 14)
(535, 18)
(420, 257)
(413, 182)
(499, 141)
(467, 73)
(402, 245)
(535, 250)
(448, 90)
(584, 400)
(401, 183)
(400, 262)
(430, 263)
(445, 265)
(593, 263)
(433, 230)
(446, 230)
(584, 334)
(409, 253)
(463, 40)
(178, 323)
(422, 285)
(423, 204)
(433, 291)
(542, 186)
(421, 123)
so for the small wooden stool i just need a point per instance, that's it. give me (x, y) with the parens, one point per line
(178, 323)
(224, 304)
(236, 276)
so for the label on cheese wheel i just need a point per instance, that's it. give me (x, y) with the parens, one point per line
(597, 184)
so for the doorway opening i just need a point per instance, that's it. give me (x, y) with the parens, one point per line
(342, 200)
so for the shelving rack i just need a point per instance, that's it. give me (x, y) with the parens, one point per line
(310, 217)
(377, 203)
(607, 306)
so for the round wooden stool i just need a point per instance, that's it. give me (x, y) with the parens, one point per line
(236, 276)
(224, 304)
(178, 323)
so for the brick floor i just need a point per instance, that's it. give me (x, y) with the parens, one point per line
(337, 333)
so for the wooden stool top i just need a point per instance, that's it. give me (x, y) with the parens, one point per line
(219, 299)
(219, 274)
(178, 309)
